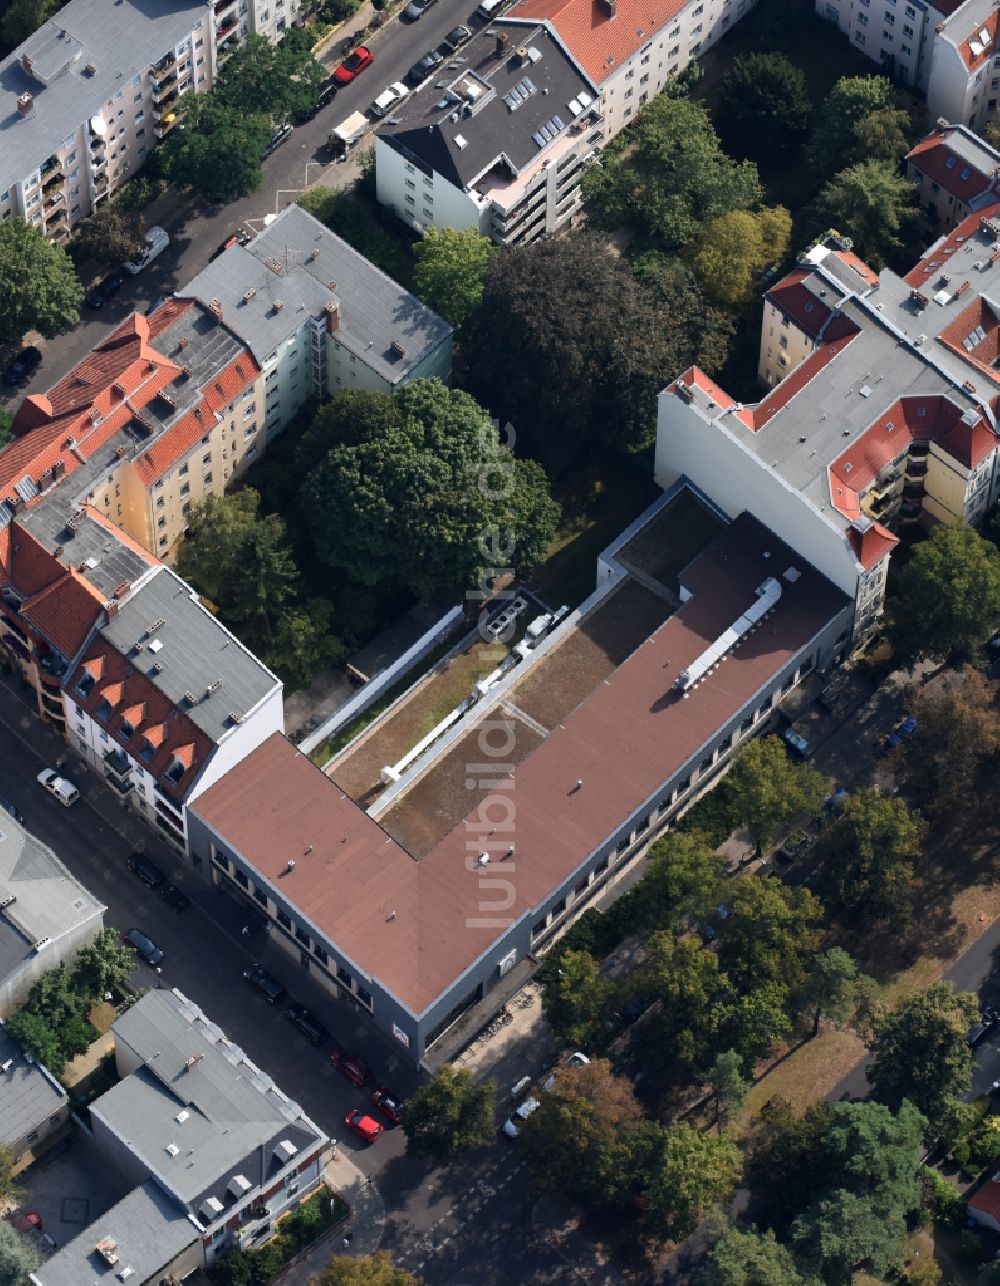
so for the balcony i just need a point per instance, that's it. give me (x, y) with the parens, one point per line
(162, 128)
(916, 468)
(53, 202)
(222, 6)
(53, 184)
(163, 91)
(54, 216)
(51, 166)
(98, 146)
(166, 64)
(118, 771)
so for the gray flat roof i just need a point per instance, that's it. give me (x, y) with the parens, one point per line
(149, 1230)
(197, 652)
(236, 1116)
(46, 900)
(28, 1094)
(118, 38)
(304, 265)
(433, 127)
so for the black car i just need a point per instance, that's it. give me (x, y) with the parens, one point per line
(307, 1023)
(416, 9)
(24, 364)
(146, 947)
(268, 986)
(105, 290)
(8, 807)
(457, 37)
(147, 870)
(327, 93)
(423, 68)
(175, 898)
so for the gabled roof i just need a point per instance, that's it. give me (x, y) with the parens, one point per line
(57, 601)
(872, 545)
(967, 24)
(599, 42)
(963, 167)
(794, 298)
(987, 1198)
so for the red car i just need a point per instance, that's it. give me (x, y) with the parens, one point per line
(366, 1126)
(388, 1103)
(352, 1067)
(353, 65)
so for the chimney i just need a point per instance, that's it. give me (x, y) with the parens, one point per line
(25, 103)
(215, 307)
(182, 342)
(397, 350)
(27, 63)
(195, 1058)
(332, 310)
(501, 44)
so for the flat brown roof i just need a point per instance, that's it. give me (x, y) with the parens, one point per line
(417, 926)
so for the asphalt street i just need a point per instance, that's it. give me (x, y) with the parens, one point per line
(303, 160)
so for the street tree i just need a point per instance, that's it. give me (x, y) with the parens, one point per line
(948, 600)
(682, 883)
(769, 789)
(958, 732)
(578, 1001)
(748, 1258)
(38, 286)
(18, 1257)
(878, 207)
(834, 988)
(869, 852)
(102, 966)
(581, 1141)
(450, 271)
(728, 1085)
(683, 975)
(834, 142)
(689, 1172)
(675, 178)
(762, 108)
(770, 935)
(219, 151)
(278, 81)
(754, 1022)
(449, 1113)
(730, 252)
(367, 1270)
(112, 234)
(875, 1153)
(842, 1234)
(920, 1049)
(437, 504)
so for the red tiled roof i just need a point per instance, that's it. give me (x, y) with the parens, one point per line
(931, 156)
(851, 260)
(935, 258)
(986, 48)
(65, 612)
(987, 1198)
(871, 546)
(598, 42)
(798, 302)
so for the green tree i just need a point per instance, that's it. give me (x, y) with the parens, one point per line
(781, 1170)
(753, 1023)
(449, 1113)
(870, 851)
(769, 789)
(749, 1258)
(920, 1051)
(763, 107)
(351, 417)
(38, 285)
(436, 503)
(304, 644)
(10, 1190)
(730, 252)
(875, 205)
(368, 1270)
(102, 966)
(676, 177)
(771, 934)
(683, 975)
(219, 151)
(280, 82)
(18, 1257)
(833, 988)
(843, 1233)
(874, 1153)
(959, 730)
(883, 135)
(6, 420)
(689, 1172)
(37, 1036)
(23, 17)
(112, 234)
(578, 1001)
(682, 883)
(728, 1085)
(450, 271)
(948, 599)
(834, 142)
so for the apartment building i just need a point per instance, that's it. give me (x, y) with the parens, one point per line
(212, 1150)
(34, 1107)
(956, 172)
(86, 97)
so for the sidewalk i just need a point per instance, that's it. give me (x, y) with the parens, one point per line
(364, 1225)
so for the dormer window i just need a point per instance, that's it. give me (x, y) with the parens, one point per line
(125, 730)
(105, 709)
(176, 770)
(86, 684)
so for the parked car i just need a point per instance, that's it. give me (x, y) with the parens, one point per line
(416, 9)
(9, 807)
(61, 787)
(23, 365)
(388, 99)
(457, 37)
(307, 1023)
(157, 241)
(368, 1128)
(353, 65)
(105, 290)
(327, 93)
(423, 67)
(146, 947)
(351, 1066)
(238, 238)
(796, 743)
(901, 731)
(268, 986)
(388, 1104)
(146, 869)
(175, 898)
(577, 1059)
(280, 134)
(514, 1123)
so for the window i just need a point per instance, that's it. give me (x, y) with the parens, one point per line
(320, 954)
(162, 542)
(859, 38)
(161, 523)
(890, 19)
(241, 879)
(344, 977)
(260, 896)
(207, 480)
(207, 458)
(182, 471)
(301, 936)
(538, 927)
(365, 997)
(863, 19)
(908, 31)
(283, 919)
(186, 489)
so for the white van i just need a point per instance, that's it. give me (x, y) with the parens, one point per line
(490, 8)
(156, 242)
(60, 787)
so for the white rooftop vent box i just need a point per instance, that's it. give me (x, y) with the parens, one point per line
(792, 574)
(107, 1248)
(461, 141)
(862, 523)
(285, 1150)
(155, 645)
(182, 1116)
(984, 37)
(211, 1208)
(239, 1186)
(125, 1273)
(975, 48)
(173, 1149)
(970, 417)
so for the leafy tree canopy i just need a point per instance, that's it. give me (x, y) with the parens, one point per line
(729, 253)
(753, 1022)
(771, 934)
(769, 789)
(219, 151)
(450, 271)
(834, 989)
(781, 1172)
(763, 107)
(729, 1085)
(870, 851)
(102, 966)
(843, 1233)
(18, 1257)
(355, 222)
(833, 144)
(113, 234)
(884, 135)
(23, 17)
(948, 600)
(682, 883)
(6, 420)
(366, 1270)
(38, 286)
(434, 502)
(689, 1172)
(449, 1113)
(279, 81)
(683, 975)
(875, 205)
(749, 1258)
(578, 1000)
